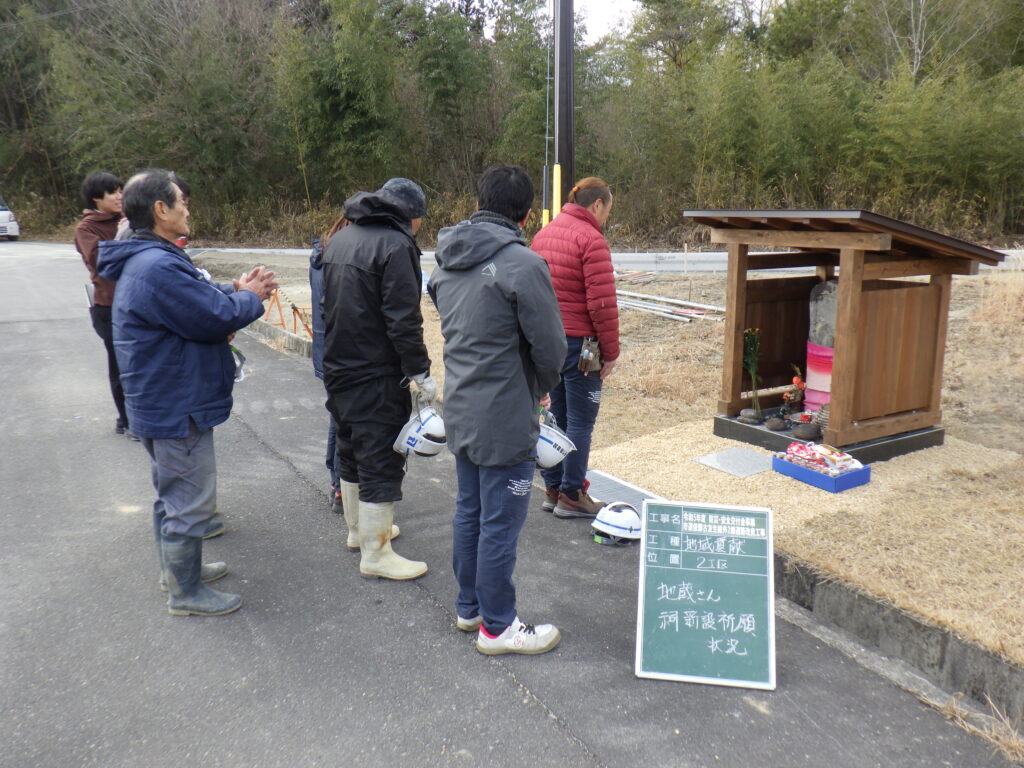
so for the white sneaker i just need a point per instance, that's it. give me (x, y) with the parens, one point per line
(519, 638)
(469, 625)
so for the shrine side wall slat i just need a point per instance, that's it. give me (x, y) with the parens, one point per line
(896, 358)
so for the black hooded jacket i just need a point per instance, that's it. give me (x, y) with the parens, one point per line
(371, 307)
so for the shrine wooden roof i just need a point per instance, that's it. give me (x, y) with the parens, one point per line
(907, 240)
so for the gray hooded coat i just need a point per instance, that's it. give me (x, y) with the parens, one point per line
(504, 344)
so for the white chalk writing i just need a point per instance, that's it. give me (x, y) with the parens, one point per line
(684, 592)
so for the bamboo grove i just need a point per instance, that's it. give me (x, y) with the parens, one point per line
(276, 110)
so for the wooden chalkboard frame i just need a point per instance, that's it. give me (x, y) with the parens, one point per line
(698, 523)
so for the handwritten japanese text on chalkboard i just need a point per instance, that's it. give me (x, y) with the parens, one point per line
(706, 596)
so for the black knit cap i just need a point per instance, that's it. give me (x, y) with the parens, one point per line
(408, 194)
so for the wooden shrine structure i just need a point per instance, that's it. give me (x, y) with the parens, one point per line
(890, 334)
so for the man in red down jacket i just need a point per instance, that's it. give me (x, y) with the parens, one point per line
(581, 271)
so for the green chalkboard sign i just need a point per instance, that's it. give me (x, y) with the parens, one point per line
(706, 612)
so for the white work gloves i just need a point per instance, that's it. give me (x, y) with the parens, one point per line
(426, 386)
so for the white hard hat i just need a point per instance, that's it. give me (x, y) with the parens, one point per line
(423, 434)
(553, 445)
(617, 523)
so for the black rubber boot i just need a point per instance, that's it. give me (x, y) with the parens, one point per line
(209, 572)
(182, 558)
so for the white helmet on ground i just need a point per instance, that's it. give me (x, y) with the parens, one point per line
(423, 434)
(553, 445)
(617, 523)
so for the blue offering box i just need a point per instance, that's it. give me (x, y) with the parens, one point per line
(828, 483)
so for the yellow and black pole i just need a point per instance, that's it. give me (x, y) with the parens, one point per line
(556, 189)
(564, 170)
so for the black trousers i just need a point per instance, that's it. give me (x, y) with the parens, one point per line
(366, 455)
(102, 324)
(368, 417)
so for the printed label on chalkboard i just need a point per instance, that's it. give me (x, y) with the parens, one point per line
(706, 609)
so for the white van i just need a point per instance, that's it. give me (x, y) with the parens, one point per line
(8, 224)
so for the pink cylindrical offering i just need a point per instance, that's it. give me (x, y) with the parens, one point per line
(819, 376)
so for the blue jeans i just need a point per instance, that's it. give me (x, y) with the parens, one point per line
(184, 474)
(490, 510)
(330, 459)
(574, 403)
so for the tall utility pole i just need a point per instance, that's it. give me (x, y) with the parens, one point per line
(565, 126)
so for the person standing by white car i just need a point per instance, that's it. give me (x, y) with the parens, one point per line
(101, 196)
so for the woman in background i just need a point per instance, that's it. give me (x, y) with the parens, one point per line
(580, 261)
(101, 196)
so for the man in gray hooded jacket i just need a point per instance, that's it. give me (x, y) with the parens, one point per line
(503, 350)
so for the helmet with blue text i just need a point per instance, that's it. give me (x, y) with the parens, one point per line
(423, 434)
(553, 444)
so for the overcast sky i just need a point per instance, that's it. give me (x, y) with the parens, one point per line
(602, 15)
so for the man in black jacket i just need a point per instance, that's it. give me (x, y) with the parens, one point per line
(373, 347)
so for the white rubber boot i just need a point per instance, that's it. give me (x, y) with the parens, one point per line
(350, 506)
(378, 559)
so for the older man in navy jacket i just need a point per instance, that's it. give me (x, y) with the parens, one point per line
(171, 332)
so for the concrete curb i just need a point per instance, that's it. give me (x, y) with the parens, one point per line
(948, 661)
(288, 340)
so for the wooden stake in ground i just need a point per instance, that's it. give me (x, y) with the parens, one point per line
(751, 353)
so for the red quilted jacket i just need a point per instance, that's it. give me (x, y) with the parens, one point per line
(581, 271)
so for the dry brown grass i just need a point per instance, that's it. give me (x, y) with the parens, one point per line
(671, 368)
(983, 386)
(996, 728)
(669, 359)
(434, 341)
(1002, 299)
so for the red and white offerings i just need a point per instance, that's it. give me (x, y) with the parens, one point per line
(821, 458)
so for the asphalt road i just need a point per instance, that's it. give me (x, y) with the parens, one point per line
(320, 667)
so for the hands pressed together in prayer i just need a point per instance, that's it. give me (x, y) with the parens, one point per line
(260, 281)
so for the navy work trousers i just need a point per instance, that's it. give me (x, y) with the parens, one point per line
(331, 460)
(574, 403)
(490, 510)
